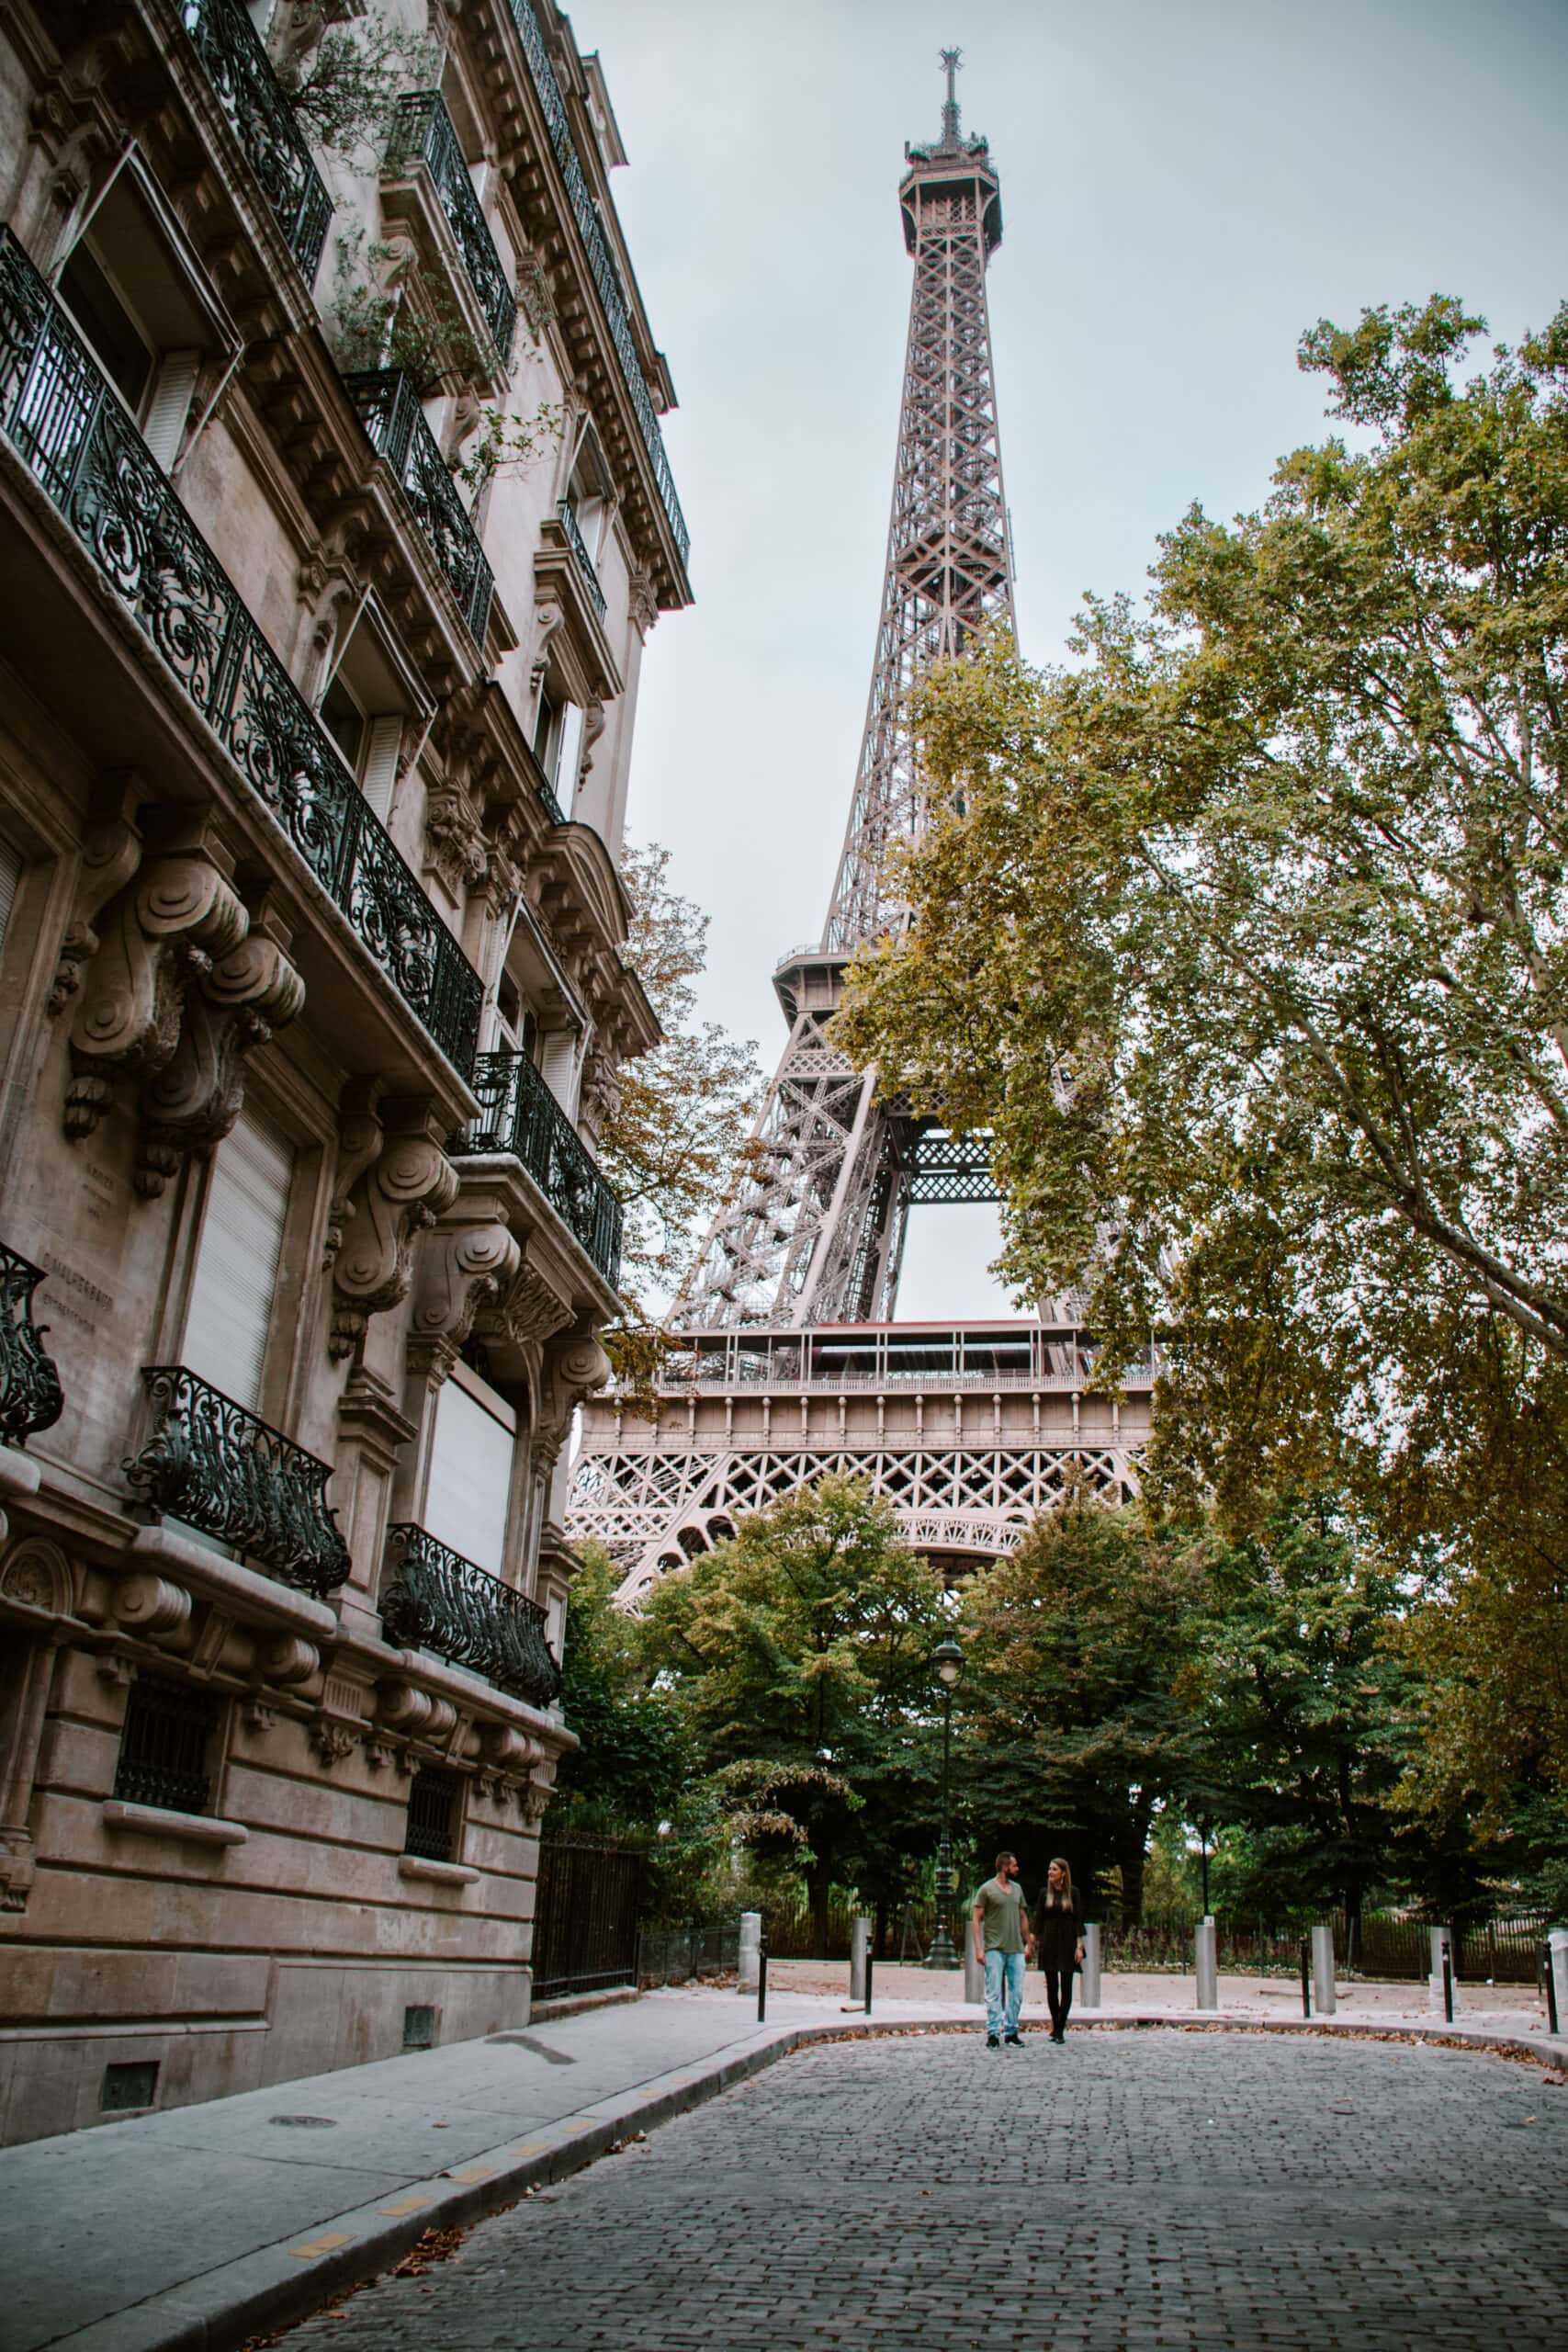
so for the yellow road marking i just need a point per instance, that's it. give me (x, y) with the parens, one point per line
(534, 2148)
(474, 2172)
(405, 2205)
(322, 2245)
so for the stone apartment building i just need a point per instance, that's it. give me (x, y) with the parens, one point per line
(334, 512)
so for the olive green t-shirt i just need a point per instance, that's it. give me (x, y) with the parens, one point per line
(999, 1907)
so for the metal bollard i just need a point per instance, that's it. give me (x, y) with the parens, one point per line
(1549, 1984)
(1442, 1985)
(870, 1964)
(1322, 1971)
(1557, 1974)
(1090, 1965)
(1306, 1982)
(973, 1973)
(1447, 1984)
(1205, 1965)
(745, 1959)
(859, 1941)
(762, 1981)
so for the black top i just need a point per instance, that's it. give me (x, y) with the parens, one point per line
(1059, 1932)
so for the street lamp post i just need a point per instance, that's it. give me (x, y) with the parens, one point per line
(948, 1659)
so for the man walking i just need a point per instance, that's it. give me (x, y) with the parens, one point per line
(1000, 1928)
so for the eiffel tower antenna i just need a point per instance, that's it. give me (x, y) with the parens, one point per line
(791, 1363)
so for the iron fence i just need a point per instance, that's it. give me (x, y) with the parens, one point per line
(586, 1911)
(247, 90)
(676, 1955)
(388, 409)
(422, 133)
(432, 1597)
(30, 1393)
(519, 1114)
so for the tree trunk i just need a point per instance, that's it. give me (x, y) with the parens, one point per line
(880, 1938)
(816, 1885)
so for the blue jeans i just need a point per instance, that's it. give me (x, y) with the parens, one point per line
(1003, 1969)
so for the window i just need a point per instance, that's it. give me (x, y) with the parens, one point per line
(365, 706)
(470, 1495)
(236, 1272)
(165, 1746)
(432, 1831)
(145, 303)
(516, 1027)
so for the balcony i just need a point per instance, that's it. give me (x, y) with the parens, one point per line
(30, 1396)
(69, 428)
(246, 89)
(388, 409)
(579, 546)
(214, 1465)
(423, 133)
(601, 261)
(518, 1113)
(433, 1599)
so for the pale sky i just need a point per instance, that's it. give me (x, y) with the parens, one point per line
(1185, 185)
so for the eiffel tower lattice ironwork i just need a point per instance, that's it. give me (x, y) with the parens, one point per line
(967, 1428)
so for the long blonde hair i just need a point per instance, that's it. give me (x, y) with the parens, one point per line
(1063, 1900)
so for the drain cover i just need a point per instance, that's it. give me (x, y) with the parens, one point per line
(308, 2122)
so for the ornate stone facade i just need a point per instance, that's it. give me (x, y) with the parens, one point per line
(316, 697)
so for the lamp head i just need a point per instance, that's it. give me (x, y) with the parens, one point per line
(948, 1659)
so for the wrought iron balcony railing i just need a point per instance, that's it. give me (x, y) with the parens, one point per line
(247, 90)
(579, 546)
(218, 1468)
(69, 428)
(601, 261)
(519, 1114)
(30, 1394)
(433, 1599)
(422, 133)
(390, 412)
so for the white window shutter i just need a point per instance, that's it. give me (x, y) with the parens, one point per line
(470, 1472)
(168, 405)
(570, 754)
(557, 1067)
(10, 875)
(383, 741)
(236, 1272)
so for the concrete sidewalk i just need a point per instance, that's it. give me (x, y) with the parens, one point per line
(205, 2225)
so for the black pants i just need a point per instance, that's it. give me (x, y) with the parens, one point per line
(1059, 1994)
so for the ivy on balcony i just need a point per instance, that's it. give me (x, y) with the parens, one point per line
(422, 133)
(433, 1599)
(30, 1396)
(215, 1466)
(388, 409)
(247, 90)
(518, 1113)
(69, 429)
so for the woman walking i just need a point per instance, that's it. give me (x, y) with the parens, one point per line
(1059, 1927)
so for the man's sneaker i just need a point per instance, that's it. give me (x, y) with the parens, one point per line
(991, 2042)
(1015, 2040)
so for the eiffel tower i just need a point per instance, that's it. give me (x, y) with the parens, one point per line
(793, 1364)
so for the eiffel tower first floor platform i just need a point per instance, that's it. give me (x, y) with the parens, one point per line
(967, 1428)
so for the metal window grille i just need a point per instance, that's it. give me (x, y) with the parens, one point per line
(431, 1830)
(165, 1745)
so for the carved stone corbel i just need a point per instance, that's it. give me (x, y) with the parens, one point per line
(644, 599)
(549, 615)
(405, 1187)
(530, 1312)
(593, 728)
(169, 922)
(455, 841)
(192, 1102)
(469, 1262)
(359, 1135)
(110, 855)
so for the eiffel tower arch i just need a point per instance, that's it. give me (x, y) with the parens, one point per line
(793, 1364)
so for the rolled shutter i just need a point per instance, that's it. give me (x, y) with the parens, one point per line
(236, 1272)
(470, 1471)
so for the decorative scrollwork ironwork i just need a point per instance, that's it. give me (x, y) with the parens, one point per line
(422, 133)
(390, 412)
(218, 1467)
(433, 1599)
(71, 431)
(601, 261)
(30, 1394)
(520, 1114)
(579, 546)
(247, 90)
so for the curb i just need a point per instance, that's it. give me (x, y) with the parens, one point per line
(280, 2284)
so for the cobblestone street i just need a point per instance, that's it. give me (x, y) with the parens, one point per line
(1151, 2188)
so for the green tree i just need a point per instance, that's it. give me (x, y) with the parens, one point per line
(797, 1657)
(1250, 943)
(1080, 1691)
(677, 1134)
(634, 1760)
